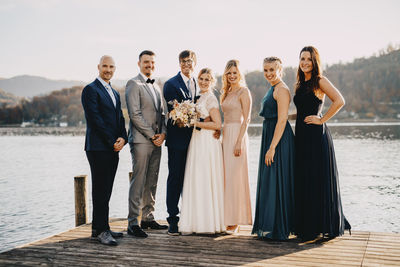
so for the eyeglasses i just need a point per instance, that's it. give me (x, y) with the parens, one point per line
(187, 62)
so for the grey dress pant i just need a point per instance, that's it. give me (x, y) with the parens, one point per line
(143, 186)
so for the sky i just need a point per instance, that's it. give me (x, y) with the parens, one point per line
(64, 39)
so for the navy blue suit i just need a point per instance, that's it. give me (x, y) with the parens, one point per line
(104, 125)
(178, 140)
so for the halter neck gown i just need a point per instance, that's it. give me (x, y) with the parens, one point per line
(274, 215)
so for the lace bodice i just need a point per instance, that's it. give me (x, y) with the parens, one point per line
(206, 102)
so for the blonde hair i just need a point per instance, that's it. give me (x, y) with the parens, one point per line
(226, 85)
(277, 61)
(209, 72)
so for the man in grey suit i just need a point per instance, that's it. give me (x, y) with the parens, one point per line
(147, 131)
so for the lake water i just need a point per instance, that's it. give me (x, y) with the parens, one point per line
(37, 187)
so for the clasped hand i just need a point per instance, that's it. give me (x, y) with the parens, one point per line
(217, 133)
(158, 139)
(119, 144)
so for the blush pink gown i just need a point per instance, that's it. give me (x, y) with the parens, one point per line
(237, 205)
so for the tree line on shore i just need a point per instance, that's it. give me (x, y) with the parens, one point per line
(371, 87)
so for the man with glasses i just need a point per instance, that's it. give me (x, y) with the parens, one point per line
(180, 87)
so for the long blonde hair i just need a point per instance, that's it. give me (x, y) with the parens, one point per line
(226, 85)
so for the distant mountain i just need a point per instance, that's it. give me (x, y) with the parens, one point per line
(28, 86)
(8, 99)
(370, 86)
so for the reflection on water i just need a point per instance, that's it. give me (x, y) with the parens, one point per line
(36, 181)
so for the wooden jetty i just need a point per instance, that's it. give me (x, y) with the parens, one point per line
(75, 248)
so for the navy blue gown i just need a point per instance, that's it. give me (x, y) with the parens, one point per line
(317, 193)
(274, 216)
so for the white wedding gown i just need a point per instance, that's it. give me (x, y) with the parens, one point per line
(202, 209)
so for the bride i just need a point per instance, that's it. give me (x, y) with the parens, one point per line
(202, 208)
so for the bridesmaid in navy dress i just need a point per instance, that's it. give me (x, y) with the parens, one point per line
(317, 193)
(274, 217)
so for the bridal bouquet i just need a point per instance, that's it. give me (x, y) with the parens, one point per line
(184, 113)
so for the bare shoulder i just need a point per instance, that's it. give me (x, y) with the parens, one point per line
(282, 87)
(282, 91)
(323, 82)
(245, 92)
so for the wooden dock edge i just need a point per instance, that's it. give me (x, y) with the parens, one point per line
(74, 247)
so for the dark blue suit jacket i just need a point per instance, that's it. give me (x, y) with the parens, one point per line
(175, 88)
(104, 122)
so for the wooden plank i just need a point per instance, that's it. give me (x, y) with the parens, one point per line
(75, 248)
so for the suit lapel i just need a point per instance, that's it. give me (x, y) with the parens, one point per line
(147, 88)
(105, 94)
(117, 104)
(183, 88)
(117, 99)
(157, 91)
(195, 91)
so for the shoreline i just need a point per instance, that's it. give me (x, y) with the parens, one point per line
(254, 128)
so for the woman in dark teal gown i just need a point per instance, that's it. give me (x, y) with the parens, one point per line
(275, 187)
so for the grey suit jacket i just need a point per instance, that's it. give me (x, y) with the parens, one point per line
(146, 117)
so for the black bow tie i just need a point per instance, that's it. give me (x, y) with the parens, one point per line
(150, 80)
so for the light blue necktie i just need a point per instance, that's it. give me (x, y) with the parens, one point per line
(189, 90)
(110, 92)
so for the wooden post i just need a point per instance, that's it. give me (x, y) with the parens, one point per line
(80, 184)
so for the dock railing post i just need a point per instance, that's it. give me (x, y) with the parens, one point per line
(80, 184)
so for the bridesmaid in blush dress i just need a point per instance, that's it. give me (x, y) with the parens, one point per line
(317, 192)
(236, 106)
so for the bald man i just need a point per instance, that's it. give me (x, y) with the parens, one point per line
(105, 137)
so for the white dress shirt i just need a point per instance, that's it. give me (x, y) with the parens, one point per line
(109, 90)
(192, 86)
